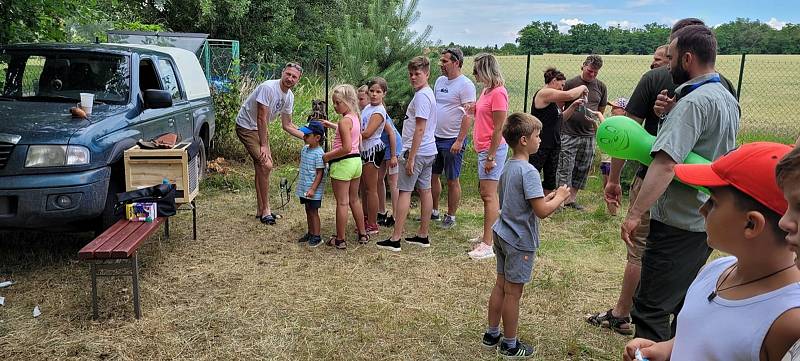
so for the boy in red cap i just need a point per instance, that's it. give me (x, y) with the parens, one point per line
(745, 306)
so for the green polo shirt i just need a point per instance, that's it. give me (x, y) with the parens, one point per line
(704, 121)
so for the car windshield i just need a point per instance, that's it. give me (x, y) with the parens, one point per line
(60, 76)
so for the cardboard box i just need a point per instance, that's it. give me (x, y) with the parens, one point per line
(148, 167)
(141, 211)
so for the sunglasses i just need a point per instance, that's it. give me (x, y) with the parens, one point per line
(294, 65)
(453, 54)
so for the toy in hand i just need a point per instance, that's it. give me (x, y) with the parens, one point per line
(622, 137)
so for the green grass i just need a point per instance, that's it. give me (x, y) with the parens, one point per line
(248, 291)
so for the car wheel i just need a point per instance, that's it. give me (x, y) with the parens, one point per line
(203, 161)
(109, 216)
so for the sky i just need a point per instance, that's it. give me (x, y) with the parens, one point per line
(489, 22)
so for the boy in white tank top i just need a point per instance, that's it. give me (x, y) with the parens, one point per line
(747, 306)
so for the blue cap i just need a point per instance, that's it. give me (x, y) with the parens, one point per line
(313, 127)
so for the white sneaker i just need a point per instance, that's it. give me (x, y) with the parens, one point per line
(483, 251)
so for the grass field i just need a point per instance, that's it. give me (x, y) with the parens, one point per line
(248, 291)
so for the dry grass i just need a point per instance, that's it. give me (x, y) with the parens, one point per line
(249, 291)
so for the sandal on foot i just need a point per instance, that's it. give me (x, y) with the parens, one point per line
(268, 219)
(363, 238)
(621, 325)
(338, 243)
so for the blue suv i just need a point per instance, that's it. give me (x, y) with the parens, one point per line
(59, 172)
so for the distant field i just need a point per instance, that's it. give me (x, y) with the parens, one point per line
(769, 87)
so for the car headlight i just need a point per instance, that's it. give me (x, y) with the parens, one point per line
(56, 155)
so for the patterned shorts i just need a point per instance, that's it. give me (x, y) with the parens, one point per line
(575, 160)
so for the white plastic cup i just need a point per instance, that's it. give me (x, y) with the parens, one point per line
(87, 100)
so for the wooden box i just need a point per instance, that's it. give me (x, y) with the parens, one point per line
(148, 167)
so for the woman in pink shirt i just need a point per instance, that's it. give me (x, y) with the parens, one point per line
(490, 112)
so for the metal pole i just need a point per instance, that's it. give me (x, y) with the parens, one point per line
(327, 86)
(741, 75)
(527, 77)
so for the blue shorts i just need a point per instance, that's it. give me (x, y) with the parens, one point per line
(311, 203)
(499, 160)
(446, 162)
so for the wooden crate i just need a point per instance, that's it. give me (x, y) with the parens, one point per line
(148, 167)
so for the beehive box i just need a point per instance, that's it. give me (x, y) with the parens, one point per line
(148, 167)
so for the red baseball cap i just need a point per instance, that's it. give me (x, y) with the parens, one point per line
(749, 168)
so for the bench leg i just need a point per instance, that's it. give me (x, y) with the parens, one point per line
(135, 275)
(166, 229)
(194, 221)
(93, 271)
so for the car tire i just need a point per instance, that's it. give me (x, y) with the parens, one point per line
(203, 161)
(109, 216)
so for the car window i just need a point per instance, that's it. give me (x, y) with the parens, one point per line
(169, 79)
(60, 76)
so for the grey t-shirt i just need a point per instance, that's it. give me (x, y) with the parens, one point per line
(579, 125)
(704, 121)
(517, 224)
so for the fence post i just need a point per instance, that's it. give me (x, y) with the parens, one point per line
(327, 80)
(527, 77)
(741, 75)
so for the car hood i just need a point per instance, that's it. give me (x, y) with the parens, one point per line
(46, 123)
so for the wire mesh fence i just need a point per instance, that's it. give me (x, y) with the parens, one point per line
(767, 90)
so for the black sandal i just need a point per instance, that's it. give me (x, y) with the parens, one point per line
(608, 320)
(268, 219)
(338, 243)
(363, 238)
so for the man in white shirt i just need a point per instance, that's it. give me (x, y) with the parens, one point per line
(269, 100)
(454, 92)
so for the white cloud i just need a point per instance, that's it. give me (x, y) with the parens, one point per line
(623, 24)
(776, 24)
(571, 22)
(565, 24)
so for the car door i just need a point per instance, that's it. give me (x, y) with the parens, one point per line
(154, 122)
(182, 115)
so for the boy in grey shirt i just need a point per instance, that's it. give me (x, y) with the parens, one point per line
(516, 233)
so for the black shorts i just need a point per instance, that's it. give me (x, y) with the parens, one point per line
(374, 157)
(546, 162)
(311, 203)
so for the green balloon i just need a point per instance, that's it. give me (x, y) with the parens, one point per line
(622, 137)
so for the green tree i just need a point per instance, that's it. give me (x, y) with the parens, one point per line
(382, 46)
(538, 37)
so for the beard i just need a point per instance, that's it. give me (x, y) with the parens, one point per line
(679, 74)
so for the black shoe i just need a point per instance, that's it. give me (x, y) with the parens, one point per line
(304, 238)
(389, 222)
(419, 241)
(522, 351)
(490, 342)
(575, 206)
(389, 245)
(314, 241)
(381, 218)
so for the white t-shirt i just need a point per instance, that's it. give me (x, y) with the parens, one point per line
(422, 106)
(374, 141)
(269, 94)
(450, 95)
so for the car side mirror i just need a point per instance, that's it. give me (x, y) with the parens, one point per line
(157, 99)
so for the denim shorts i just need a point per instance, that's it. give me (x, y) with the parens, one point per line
(515, 265)
(499, 160)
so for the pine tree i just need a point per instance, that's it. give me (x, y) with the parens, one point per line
(382, 46)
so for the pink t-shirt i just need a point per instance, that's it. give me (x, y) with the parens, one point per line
(355, 135)
(491, 101)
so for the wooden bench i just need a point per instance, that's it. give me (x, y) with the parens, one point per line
(120, 242)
